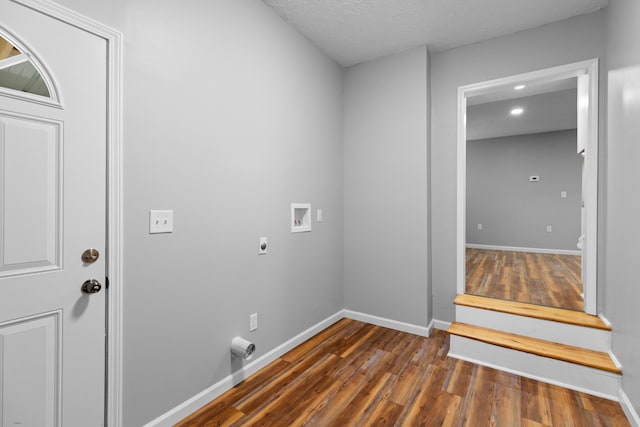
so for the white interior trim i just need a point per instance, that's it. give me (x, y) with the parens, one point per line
(614, 359)
(628, 408)
(388, 323)
(605, 320)
(461, 184)
(113, 38)
(588, 68)
(199, 400)
(439, 324)
(519, 249)
(590, 274)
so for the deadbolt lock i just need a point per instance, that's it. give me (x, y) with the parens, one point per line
(90, 256)
(91, 286)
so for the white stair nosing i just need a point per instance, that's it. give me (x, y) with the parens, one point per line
(548, 330)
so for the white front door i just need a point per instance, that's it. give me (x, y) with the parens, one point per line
(52, 208)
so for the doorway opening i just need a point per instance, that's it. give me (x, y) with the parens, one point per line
(527, 187)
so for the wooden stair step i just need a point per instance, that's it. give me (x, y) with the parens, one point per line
(566, 353)
(532, 310)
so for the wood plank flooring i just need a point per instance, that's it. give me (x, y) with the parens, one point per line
(544, 279)
(357, 374)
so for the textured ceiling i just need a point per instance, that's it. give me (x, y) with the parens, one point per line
(354, 31)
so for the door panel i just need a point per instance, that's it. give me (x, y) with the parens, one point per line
(31, 379)
(29, 194)
(53, 196)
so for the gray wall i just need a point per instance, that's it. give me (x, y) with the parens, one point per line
(623, 205)
(256, 123)
(550, 45)
(514, 211)
(385, 188)
(230, 115)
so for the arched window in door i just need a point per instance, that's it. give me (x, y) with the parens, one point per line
(20, 73)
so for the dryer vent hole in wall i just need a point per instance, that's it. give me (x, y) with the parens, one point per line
(534, 178)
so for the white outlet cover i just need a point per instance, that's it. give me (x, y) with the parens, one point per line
(160, 221)
(253, 322)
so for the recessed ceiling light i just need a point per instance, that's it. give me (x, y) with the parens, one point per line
(519, 87)
(517, 111)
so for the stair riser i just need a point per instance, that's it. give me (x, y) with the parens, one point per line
(578, 336)
(564, 374)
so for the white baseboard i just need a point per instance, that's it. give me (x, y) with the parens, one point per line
(388, 323)
(196, 402)
(440, 324)
(199, 400)
(519, 249)
(629, 410)
(191, 405)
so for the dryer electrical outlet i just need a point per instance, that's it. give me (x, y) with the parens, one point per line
(262, 246)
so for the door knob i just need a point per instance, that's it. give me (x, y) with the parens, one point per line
(91, 286)
(90, 256)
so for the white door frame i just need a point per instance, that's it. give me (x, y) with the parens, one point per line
(587, 73)
(113, 39)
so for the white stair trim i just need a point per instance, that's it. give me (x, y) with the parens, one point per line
(564, 374)
(549, 330)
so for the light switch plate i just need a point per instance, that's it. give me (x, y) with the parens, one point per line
(160, 221)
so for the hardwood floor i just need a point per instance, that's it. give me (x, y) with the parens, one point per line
(357, 374)
(544, 279)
